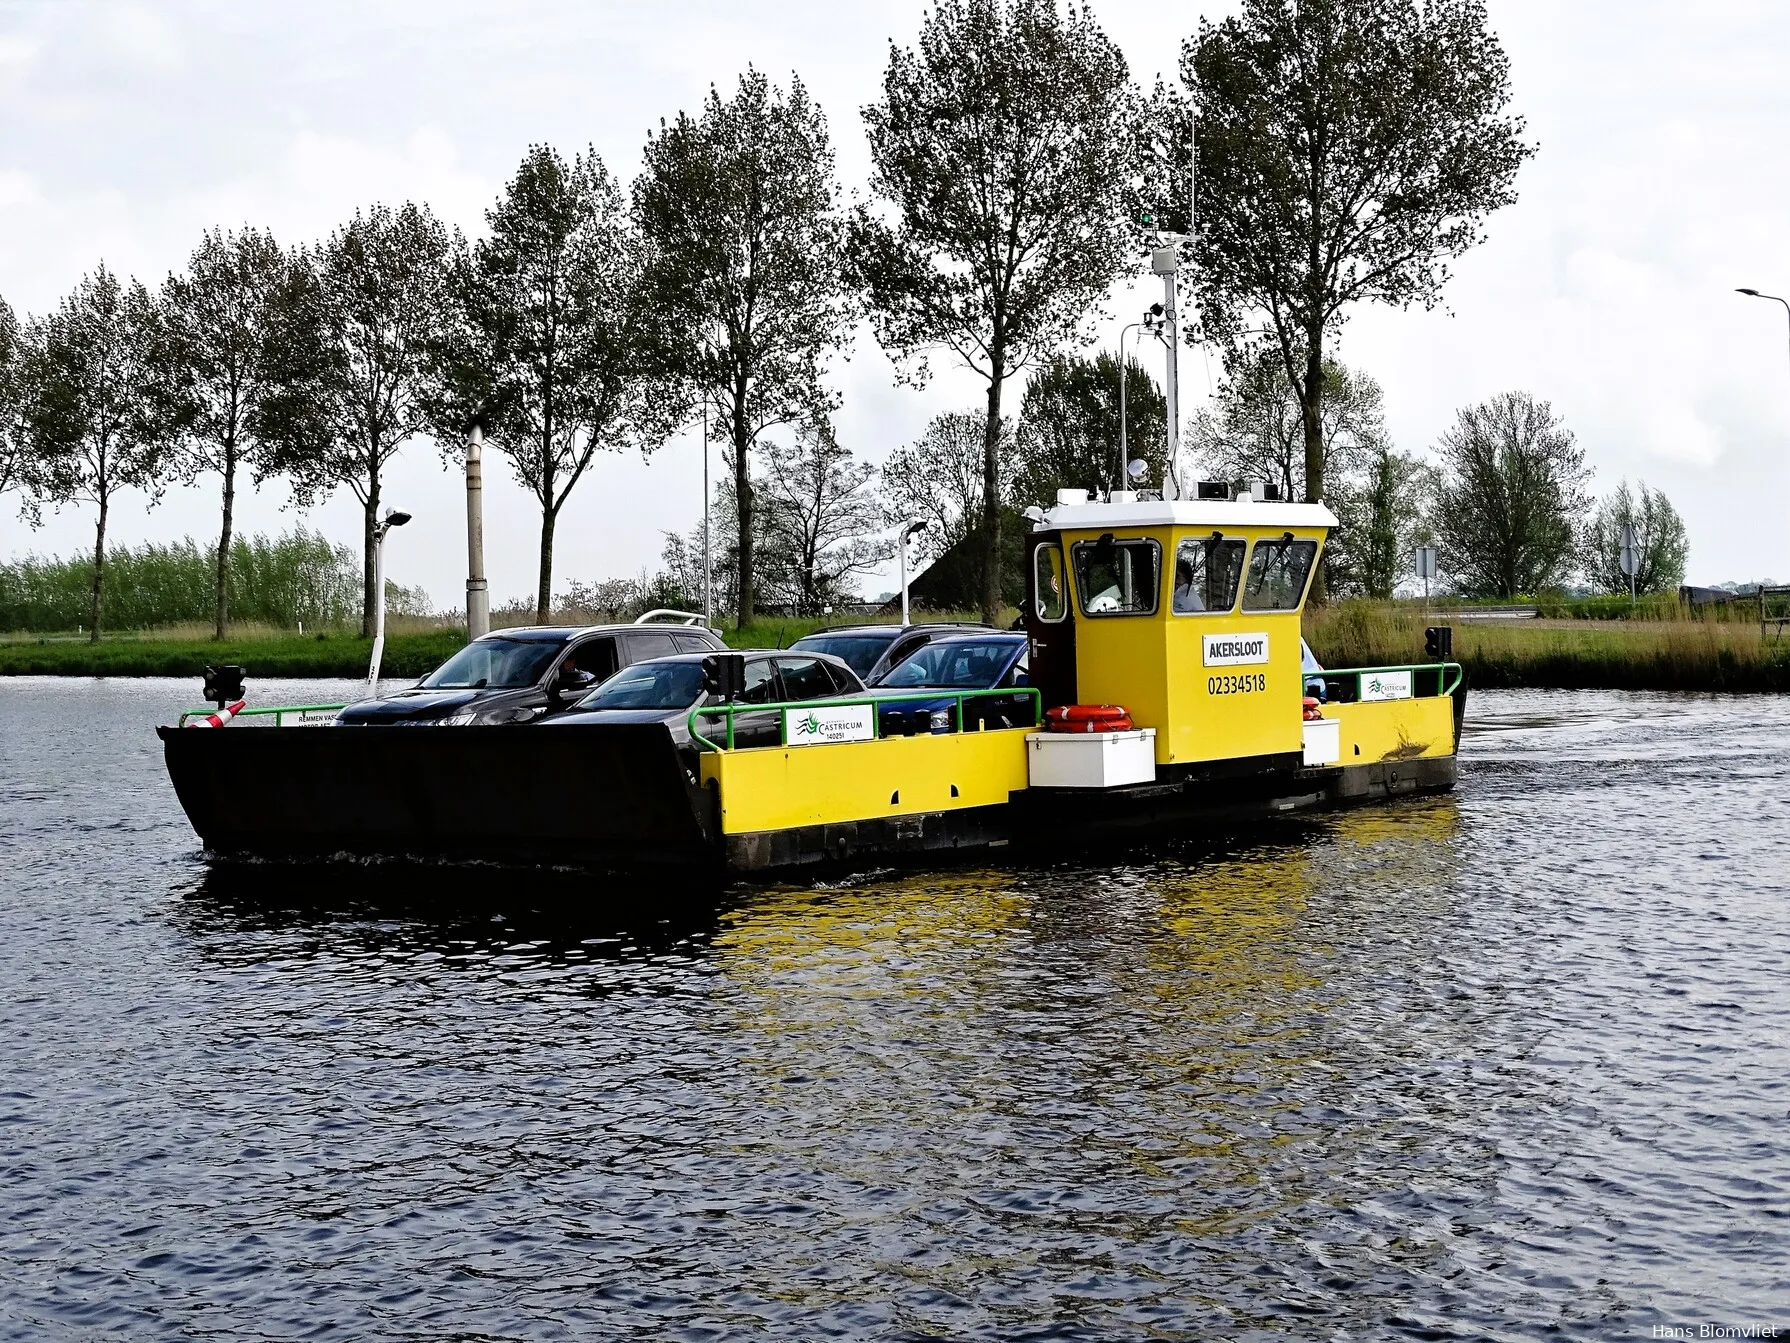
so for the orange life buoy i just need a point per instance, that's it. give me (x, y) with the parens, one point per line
(1088, 718)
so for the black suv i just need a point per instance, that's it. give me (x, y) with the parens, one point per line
(518, 675)
(871, 650)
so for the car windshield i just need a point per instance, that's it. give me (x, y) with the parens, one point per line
(494, 663)
(858, 651)
(649, 685)
(956, 664)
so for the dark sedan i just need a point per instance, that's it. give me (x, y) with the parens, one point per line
(873, 649)
(995, 660)
(518, 675)
(666, 689)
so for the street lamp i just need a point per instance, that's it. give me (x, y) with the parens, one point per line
(1150, 321)
(392, 519)
(1754, 293)
(908, 529)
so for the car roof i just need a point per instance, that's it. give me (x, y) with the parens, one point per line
(981, 636)
(892, 631)
(564, 633)
(746, 652)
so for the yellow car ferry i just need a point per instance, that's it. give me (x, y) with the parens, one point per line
(1167, 688)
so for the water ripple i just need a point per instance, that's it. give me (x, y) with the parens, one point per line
(1509, 1064)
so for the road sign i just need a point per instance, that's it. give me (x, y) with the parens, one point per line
(1631, 555)
(1426, 562)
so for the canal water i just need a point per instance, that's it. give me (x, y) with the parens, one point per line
(1509, 1064)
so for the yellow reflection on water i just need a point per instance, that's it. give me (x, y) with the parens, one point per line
(1166, 1025)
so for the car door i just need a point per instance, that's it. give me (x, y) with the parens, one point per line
(759, 729)
(645, 645)
(900, 650)
(584, 666)
(806, 678)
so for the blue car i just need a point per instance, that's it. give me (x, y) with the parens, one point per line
(995, 660)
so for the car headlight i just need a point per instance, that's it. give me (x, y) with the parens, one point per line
(457, 720)
(941, 720)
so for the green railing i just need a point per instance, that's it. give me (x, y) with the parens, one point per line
(731, 711)
(279, 712)
(1445, 685)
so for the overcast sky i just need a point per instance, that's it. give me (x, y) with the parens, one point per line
(1607, 289)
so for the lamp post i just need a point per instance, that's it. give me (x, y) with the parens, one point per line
(908, 529)
(1754, 293)
(392, 519)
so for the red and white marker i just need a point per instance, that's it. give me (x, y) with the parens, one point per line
(222, 716)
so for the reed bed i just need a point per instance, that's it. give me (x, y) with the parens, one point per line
(1670, 651)
(1674, 651)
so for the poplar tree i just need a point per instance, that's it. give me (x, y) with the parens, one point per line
(1000, 157)
(546, 344)
(1348, 151)
(14, 460)
(214, 365)
(739, 212)
(91, 420)
(355, 358)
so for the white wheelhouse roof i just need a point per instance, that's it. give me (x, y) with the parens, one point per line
(1203, 513)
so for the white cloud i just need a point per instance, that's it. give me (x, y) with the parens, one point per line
(141, 37)
(1606, 289)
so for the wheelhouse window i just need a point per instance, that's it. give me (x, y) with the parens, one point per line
(1206, 574)
(1051, 602)
(1277, 574)
(1117, 578)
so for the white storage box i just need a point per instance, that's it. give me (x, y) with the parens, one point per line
(1091, 759)
(1323, 741)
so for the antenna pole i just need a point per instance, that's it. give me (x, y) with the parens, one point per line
(1163, 260)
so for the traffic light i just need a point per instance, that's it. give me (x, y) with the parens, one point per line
(1438, 643)
(223, 684)
(724, 676)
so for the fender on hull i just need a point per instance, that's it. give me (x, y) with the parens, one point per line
(508, 793)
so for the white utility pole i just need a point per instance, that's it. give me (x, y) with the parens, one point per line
(478, 594)
(708, 568)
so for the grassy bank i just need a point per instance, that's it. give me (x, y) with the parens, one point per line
(1675, 653)
(1641, 654)
(413, 648)
(285, 655)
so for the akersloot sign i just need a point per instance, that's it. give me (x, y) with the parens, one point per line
(1235, 650)
(824, 725)
(1386, 685)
